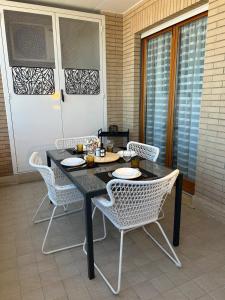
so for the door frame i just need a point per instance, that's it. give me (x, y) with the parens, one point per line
(102, 60)
(44, 10)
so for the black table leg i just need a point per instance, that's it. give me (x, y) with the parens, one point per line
(177, 210)
(48, 161)
(89, 237)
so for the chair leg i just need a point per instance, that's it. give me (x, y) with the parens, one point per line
(40, 205)
(104, 229)
(104, 226)
(46, 235)
(174, 258)
(66, 212)
(117, 290)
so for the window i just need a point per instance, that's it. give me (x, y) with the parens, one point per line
(172, 76)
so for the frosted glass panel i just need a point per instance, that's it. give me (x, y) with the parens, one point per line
(29, 39)
(79, 44)
(158, 69)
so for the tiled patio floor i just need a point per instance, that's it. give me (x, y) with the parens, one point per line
(27, 274)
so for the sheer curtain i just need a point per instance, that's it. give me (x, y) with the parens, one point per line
(190, 68)
(158, 70)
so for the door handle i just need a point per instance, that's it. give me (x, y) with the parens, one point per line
(62, 96)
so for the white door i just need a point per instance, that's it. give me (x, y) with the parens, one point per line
(33, 82)
(81, 74)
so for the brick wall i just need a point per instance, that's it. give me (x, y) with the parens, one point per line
(210, 185)
(114, 68)
(5, 155)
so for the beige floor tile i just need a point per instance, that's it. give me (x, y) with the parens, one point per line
(177, 277)
(30, 283)
(26, 259)
(158, 297)
(67, 271)
(150, 270)
(206, 297)
(28, 270)
(174, 294)
(10, 291)
(73, 283)
(7, 264)
(212, 280)
(7, 250)
(218, 294)
(132, 277)
(126, 294)
(8, 276)
(162, 283)
(79, 294)
(99, 290)
(24, 247)
(64, 258)
(145, 290)
(50, 277)
(54, 291)
(46, 264)
(191, 290)
(34, 295)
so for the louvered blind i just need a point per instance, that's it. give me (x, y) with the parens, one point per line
(158, 69)
(188, 96)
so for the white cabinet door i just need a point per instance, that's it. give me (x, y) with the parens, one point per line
(81, 63)
(47, 56)
(32, 75)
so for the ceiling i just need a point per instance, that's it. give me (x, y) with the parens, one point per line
(117, 6)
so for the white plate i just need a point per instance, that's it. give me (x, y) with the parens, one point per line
(126, 173)
(120, 153)
(72, 161)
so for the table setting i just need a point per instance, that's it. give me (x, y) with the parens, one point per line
(94, 154)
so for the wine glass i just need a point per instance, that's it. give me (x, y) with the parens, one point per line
(127, 155)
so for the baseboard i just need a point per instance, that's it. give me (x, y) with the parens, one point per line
(211, 208)
(19, 178)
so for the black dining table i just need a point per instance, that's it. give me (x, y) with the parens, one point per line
(91, 181)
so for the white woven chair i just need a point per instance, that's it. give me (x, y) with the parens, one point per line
(61, 193)
(135, 204)
(147, 152)
(143, 150)
(66, 143)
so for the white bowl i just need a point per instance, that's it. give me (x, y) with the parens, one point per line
(120, 153)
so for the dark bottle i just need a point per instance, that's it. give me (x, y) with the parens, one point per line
(102, 150)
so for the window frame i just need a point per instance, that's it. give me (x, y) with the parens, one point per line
(189, 186)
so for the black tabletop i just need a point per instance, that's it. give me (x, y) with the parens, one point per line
(88, 181)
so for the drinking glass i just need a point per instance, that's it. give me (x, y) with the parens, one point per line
(79, 148)
(109, 147)
(127, 155)
(90, 159)
(135, 162)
